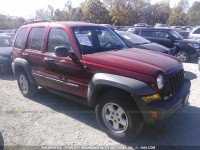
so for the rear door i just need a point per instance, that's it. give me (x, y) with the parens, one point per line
(62, 73)
(33, 52)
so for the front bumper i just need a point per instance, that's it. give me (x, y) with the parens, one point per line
(195, 54)
(5, 66)
(165, 109)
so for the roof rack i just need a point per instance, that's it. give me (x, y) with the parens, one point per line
(36, 21)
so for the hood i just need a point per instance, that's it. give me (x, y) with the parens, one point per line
(155, 47)
(5, 51)
(188, 41)
(136, 60)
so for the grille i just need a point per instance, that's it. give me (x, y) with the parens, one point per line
(174, 83)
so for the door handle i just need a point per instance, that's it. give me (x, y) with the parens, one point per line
(49, 60)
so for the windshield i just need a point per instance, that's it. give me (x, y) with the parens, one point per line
(135, 39)
(95, 39)
(5, 42)
(176, 35)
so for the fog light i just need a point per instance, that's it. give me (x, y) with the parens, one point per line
(154, 114)
(151, 98)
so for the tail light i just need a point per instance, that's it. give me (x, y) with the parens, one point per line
(189, 37)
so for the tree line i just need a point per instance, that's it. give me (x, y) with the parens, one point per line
(118, 13)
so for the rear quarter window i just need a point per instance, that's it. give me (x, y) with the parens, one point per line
(20, 38)
(197, 31)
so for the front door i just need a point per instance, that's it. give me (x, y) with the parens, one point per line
(163, 38)
(62, 73)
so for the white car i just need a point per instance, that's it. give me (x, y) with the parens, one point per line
(195, 34)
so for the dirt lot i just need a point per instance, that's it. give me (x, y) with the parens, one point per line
(51, 120)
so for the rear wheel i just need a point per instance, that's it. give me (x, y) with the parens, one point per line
(26, 88)
(183, 55)
(118, 117)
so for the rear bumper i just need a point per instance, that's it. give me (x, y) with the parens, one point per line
(165, 109)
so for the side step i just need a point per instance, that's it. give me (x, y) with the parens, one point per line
(68, 96)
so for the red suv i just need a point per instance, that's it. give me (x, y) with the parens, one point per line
(91, 64)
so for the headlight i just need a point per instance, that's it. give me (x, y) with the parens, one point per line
(160, 81)
(3, 58)
(194, 45)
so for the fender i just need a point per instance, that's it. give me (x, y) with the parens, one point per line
(132, 86)
(19, 62)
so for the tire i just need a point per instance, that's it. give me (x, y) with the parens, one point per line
(118, 117)
(25, 86)
(183, 55)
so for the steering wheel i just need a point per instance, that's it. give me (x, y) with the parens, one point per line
(108, 44)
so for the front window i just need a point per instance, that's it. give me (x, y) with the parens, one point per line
(176, 35)
(147, 33)
(135, 39)
(95, 39)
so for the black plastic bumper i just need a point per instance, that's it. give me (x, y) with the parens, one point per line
(165, 109)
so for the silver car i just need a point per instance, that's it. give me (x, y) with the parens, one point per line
(195, 34)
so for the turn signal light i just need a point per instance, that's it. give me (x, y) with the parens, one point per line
(151, 98)
(154, 114)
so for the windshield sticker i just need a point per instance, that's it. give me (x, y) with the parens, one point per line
(128, 38)
(84, 39)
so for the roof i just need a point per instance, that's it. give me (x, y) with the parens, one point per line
(67, 23)
(77, 24)
(166, 29)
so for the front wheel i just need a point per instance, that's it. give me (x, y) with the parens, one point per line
(183, 55)
(118, 117)
(26, 88)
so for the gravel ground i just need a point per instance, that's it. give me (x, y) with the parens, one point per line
(51, 120)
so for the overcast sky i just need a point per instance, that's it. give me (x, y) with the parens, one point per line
(26, 8)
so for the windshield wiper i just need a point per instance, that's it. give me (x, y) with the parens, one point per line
(119, 47)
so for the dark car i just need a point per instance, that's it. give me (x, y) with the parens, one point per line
(133, 40)
(184, 49)
(5, 49)
(92, 65)
(184, 34)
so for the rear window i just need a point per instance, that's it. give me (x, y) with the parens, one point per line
(35, 38)
(147, 33)
(20, 38)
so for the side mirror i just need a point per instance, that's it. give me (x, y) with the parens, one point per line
(62, 51)
(169, 38)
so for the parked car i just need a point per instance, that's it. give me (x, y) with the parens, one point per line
(199, 63)
(184, 34)
(176, 28)
(159, 25)
(143, 25)
(184, 49)
(91, 64)
(5, 49)
(195, 34)
(133, 40)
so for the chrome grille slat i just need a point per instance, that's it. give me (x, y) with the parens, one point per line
(175, 82)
